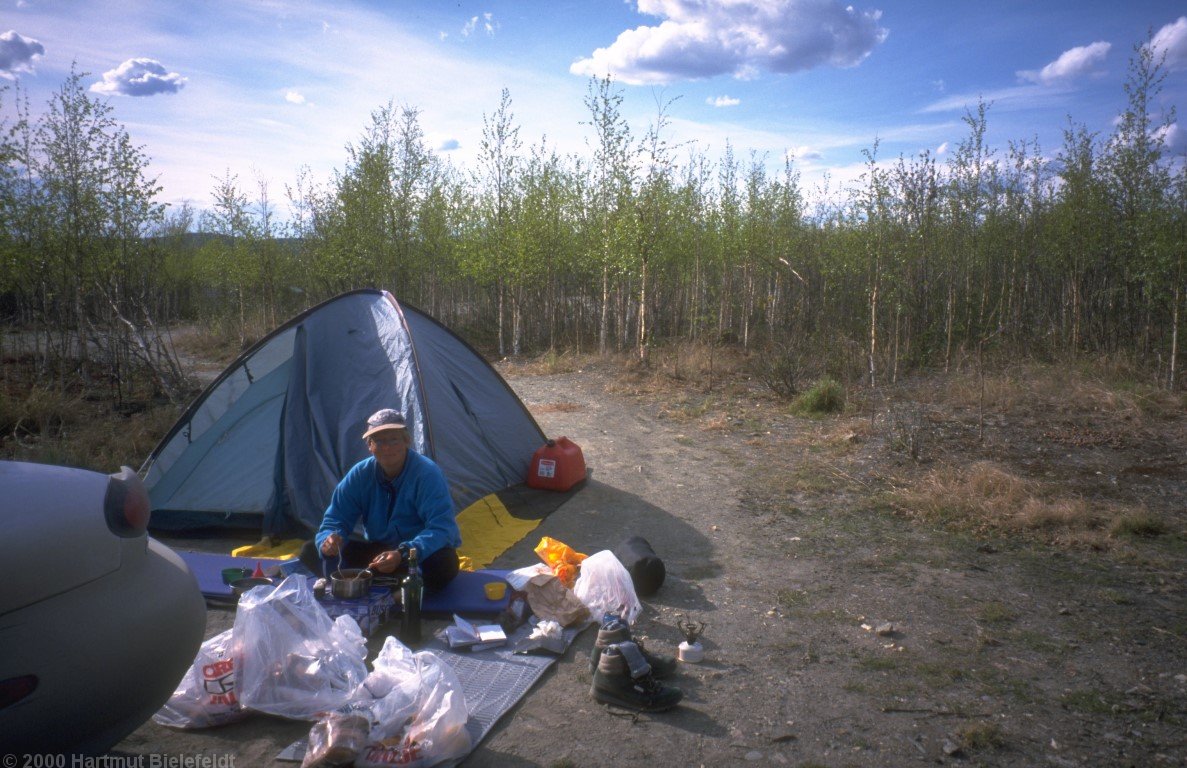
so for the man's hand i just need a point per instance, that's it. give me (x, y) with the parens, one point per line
(386, 562)
(332, 545)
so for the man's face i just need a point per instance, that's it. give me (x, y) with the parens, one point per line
(388, 446)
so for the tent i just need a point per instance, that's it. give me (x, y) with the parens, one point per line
(265, 444)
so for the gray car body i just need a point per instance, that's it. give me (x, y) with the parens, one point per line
(108, 624)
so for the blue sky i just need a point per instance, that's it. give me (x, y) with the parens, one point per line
(261, 88)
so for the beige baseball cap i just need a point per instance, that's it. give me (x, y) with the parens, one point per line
(386, 418)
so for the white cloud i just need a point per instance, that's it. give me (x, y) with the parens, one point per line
(723, 101)
(706, 38)
(1171, 136)
(1171, 41)
(1002, 99)
(487, 22)
(942, 149)
(139, 77)
(17, 53)
(294, 97)
(1073, 63)
(242, 58)
(806, 153)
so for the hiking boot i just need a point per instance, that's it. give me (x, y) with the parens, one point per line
(615, 630)
(615, 682)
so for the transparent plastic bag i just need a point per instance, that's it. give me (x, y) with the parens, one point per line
(296, 661)
(336, 740)
(605, 586)
(418, 710)
(205, 697)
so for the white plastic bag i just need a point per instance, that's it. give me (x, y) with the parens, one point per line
(418, 710)
(296, 661)
(605, 586)
(205, 697)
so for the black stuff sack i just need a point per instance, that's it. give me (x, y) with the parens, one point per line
(646, 569)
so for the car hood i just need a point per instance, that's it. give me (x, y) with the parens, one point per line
(54, 533)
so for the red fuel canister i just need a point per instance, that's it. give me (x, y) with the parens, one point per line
(557, 465)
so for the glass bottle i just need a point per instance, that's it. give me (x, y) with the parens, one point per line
(411, 594)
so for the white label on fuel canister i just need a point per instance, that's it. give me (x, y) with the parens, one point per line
(547, 468)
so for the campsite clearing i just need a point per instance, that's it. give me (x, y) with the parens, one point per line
(850, 622)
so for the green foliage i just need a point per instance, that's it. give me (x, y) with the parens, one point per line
(825, 396)
(80, 258)
(634, 242)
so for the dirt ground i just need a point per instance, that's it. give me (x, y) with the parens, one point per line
(840, 629)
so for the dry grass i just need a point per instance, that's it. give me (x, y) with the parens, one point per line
(699, 362)
(553, 362)
(217, 341)
(91, 436)
(711, 389)
(986, 498)
(1139, 522)
(831, 438)
(78, 422)
(703, 367)
(835, 436)
(39, 410)
(684, 407)
(1069, 460)
(557, 408)
(718, 422)
(981, 735)
(1061, 388)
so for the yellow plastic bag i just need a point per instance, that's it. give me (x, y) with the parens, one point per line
(564, 561)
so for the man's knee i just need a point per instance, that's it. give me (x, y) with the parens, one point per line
(310, 557)
(440, 568)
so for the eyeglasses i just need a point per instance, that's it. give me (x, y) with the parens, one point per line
(387, 442)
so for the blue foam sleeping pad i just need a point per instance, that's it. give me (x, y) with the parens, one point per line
(464, 595)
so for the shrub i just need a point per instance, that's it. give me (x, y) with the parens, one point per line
(1139, 523)
(781, 368)
(825, 396)
(39, 412)
(982, 736)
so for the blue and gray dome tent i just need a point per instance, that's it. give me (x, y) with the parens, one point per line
(265, 444)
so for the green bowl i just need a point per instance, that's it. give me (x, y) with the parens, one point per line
(234, 574)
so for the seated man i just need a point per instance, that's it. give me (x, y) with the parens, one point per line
(403, 500)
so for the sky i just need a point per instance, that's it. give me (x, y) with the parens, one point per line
(259, 89)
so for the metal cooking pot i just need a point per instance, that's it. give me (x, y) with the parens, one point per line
(350, 583)
(240, 586)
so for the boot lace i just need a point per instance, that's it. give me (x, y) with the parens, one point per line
(648, 685)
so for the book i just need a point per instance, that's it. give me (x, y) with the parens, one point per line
(463, 634)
